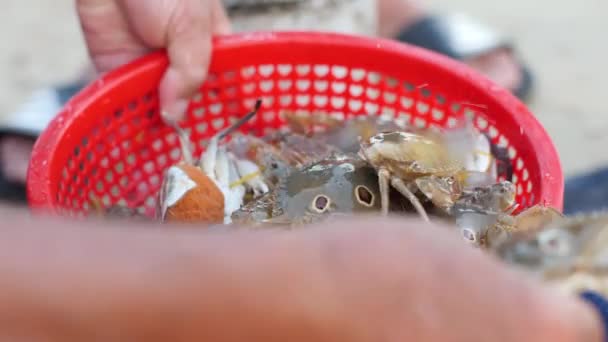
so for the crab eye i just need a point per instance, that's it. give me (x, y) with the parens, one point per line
(469, 235)
(553, 243)
(364, 196)
(320, 203)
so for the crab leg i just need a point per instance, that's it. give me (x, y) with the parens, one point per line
(383, 179)
(184, 142)
(209, 157)
(241, 121)
(402, 188)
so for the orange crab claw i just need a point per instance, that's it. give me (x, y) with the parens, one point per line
(187, 195)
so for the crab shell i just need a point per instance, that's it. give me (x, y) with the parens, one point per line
(409, 155)
(188, 195)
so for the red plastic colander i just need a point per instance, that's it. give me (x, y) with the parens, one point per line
(109, 146)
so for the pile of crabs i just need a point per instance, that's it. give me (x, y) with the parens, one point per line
(322, 167)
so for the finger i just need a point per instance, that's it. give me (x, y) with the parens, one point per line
(107, 34)
(221, 22)
(189, 48)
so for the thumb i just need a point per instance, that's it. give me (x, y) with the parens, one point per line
(189, 33)
(221, 23)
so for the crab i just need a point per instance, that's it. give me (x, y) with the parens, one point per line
(341, 134)
(276, 160)
(493, 228)
(212, 190)
(339, 184)
(403, 158)
(570, 252)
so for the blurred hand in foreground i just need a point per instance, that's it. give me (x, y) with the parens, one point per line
(118, 31)
(358, 280)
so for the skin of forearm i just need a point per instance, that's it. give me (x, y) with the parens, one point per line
(103, 282)
(94, 282)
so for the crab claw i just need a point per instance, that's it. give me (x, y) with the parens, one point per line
(252, 175)
(233, 197)
(188, 195)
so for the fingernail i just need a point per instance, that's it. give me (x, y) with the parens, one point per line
(176, 111)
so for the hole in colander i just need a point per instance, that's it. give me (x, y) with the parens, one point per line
(338, 102)
(215, 108)
(106, 201)
(147, 97)
(229, 75)
(115, 191)
(131, 158)
(155, 180)
(407, 102)
(425, 92)
(218, 123)
(119, 167)
(355, 105)
(266, 86)
(389, 97)
(109, 176)
(371, 108)
(285, 100)
(321, 70)
(133, 105)
(302, 85)
(437, 114)
(149, 166)
(338, 87)
(339, 71)
(420, 123)
(199, 112)
(389, 111)
(115, 153)
(284, 69)
(303, 100)
(266, 70)
(391, 82)
(284, 85)
(321, 85)
(374, 77)
(357, 75)
(409, 87)
(373, 93)
(303, 69)
(355, 90)
(99, 186)
(422, 107)
(320, 100)
(175, 154)
(124, 181)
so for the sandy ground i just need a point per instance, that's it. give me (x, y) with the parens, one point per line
(560, 39)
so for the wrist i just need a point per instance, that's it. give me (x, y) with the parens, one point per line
(570, 318)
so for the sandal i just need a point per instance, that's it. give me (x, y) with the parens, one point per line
(459, 37)
(586, 193)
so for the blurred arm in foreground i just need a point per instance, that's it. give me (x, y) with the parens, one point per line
(359, 281)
